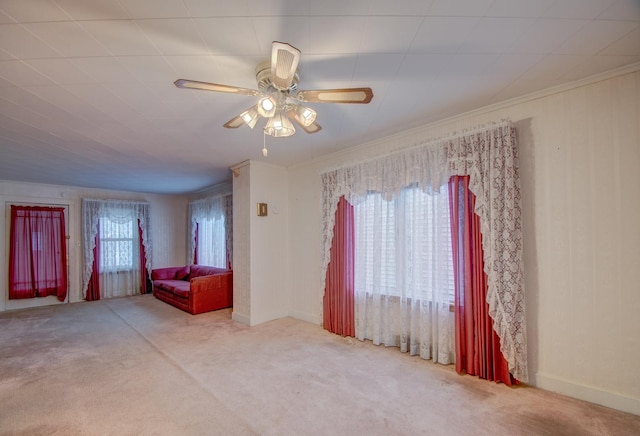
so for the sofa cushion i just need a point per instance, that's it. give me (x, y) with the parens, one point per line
(164, 273)
(178, 287)
(182, 273)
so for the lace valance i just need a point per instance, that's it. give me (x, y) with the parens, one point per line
(489, 155)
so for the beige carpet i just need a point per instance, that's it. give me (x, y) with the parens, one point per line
(137, 366)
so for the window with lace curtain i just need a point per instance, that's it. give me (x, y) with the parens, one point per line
(117, 248)
(403, 245)
(489, 156)
(211, 248)
(211, 230)
(119, 245)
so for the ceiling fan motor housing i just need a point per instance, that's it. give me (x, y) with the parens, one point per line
(265, 82)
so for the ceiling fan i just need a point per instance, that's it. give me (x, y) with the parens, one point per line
(280, 100)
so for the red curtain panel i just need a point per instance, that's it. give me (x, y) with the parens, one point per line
(37, 252)
(144, 273)
(195, 246)
(477, 344)
(338, 302)
(93, 288)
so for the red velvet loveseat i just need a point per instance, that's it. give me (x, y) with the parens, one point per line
(194, 288)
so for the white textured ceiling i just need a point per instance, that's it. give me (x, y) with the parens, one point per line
(87, 95)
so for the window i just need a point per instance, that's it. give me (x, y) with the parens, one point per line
(403, 246)
(118, 244)
(117, 248)
(212, 242)
(211, 229)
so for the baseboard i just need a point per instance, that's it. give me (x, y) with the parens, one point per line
(242, 319)
(305, 316)
(588, 393)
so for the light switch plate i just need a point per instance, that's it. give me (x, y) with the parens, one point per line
(262, 209)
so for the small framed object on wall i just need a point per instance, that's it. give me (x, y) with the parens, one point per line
(262, 209)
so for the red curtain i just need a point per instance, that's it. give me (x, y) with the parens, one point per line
(338, 302)
(145, 286)
(37, 252)
(477, 344)
(228, 248)
(93, 288)
(195, 246)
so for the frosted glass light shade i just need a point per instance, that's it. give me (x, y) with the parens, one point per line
(305, 115)
(279, 126)
(250, 117)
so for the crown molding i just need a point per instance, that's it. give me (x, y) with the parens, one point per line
(627, 69)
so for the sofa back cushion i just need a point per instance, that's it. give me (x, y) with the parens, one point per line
(203, 270)
(182, 273)
(169, 273)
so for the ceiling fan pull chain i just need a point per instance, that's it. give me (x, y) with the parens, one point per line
(264, 143)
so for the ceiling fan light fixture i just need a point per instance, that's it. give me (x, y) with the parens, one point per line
(279, 126)
(279, 99)
(267, 106)
(305, 115)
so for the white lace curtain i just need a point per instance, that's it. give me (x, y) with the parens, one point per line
(404, 273)
(217, 211)
(489, 155)
(118, 222)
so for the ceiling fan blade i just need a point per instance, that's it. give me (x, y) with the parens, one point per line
(312, 128)
(234, 122)
(284, 64)
(206, 86)
(248, 117)
(346, 95)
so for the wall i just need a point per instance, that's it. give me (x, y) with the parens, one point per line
(579, 157)
(168, 221)
(269, 254)
(260, 243)
(242, 244)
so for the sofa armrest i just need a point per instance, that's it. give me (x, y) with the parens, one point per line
(165, 273)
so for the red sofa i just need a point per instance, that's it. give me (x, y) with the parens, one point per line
(194, 288)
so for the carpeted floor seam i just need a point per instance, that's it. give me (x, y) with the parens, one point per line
(169, 358)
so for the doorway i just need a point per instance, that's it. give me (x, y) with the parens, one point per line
(12, 304)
